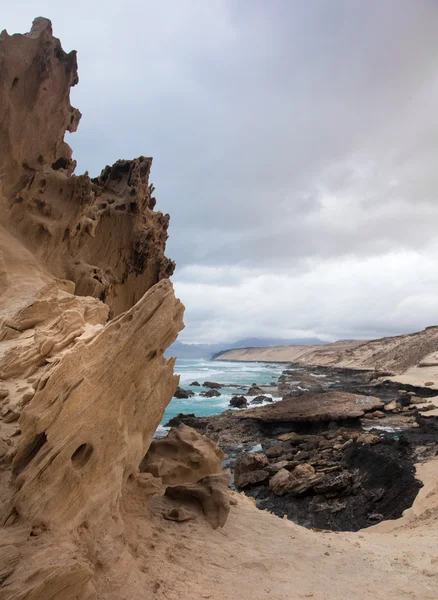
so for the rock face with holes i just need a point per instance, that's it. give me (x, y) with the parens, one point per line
(100, 234)
(183, 456)
(80, 395)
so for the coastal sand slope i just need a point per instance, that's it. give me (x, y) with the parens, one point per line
(410, 358)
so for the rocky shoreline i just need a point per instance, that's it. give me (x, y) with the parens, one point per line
(336, 452)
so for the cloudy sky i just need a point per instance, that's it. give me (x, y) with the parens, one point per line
(295, 147)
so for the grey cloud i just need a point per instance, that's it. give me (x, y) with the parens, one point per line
(284, 134)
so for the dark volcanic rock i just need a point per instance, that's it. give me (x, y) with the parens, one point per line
(182, 393)
(212, 385)
(238, 402)
(211, 394)
(330, 406)
(261, 399)
(195, 384)
(180, 418)
(254, 390)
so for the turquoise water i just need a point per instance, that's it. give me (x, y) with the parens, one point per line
(200, 370)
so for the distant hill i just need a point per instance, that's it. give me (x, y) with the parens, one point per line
(181, 350)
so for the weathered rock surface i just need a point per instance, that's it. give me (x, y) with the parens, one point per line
(183, 456)
(329, 406)
(212, 494)
(80, 396)
(100, 234)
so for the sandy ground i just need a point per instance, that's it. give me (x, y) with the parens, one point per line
(257, 556)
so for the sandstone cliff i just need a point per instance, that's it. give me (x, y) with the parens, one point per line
(81, 396)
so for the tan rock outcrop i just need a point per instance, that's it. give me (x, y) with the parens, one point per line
(101, 234)
(81, 396)
(212, 494)
(183, 456)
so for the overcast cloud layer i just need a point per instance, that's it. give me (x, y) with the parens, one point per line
(295, 147)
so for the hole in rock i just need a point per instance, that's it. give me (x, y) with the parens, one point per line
(29, 453)
(61, 163)
(81, 455)
(15, 81)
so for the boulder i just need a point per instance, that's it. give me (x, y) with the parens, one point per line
(212, 385)
(254, 390)
(183, 456)
(182, 393)
(212, 494)
(238, 402)
(250, 469)
(390, 406)
(329, 406)
(195, 384)
(296, 482)
(261, 399)
(211, 394)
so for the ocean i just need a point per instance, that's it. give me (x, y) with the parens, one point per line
(239, 373)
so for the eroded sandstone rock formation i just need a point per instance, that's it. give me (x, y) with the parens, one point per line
(80, 395)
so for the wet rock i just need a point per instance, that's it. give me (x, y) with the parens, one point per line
(195, 384)
(212, 494)
(212, 385)
(211, 394)
(238, 402)
(261, 399)
(250, 469)
(182, 393)
(254, 390)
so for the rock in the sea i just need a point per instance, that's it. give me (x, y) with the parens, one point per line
(254, 390)
(261, 399)
(212, 385)
(250, 469)
(211, 394)
(195, 384)
(212, 494)
(238, 402)
(176, 421)
(329, 406)
(182, 393)
(184, 456)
